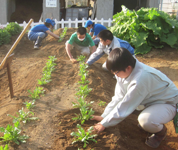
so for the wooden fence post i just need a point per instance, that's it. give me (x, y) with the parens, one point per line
(7, 64)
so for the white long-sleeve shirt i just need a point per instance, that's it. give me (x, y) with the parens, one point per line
(144, 86)
(102, 49)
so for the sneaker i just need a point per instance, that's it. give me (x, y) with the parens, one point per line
(36, 47)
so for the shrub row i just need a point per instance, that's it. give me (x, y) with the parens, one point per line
(10, 30)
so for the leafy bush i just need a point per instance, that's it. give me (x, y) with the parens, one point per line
(145, 28)
(4, 37)
(13, 28)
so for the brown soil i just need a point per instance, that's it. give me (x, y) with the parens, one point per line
(54, 109)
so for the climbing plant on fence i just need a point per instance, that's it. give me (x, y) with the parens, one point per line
(145, 28)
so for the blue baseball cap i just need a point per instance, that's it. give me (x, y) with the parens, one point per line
(89, 22)
(50, 21)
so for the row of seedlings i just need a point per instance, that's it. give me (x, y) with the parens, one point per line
(62, 35)
(12, 133)
(85, 111)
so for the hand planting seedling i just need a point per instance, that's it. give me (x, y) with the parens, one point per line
(13, 134)
(62, 35)
(5, 147)
(30, 105)
(83, 91)
(86, 114)
(101, 103)
(36, 93)
(82, 136)
(23, 116)
(82, 103)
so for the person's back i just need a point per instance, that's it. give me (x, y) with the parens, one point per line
(97, 28)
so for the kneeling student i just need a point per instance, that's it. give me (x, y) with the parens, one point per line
(40, 32)
(81, 40)
(138, 84)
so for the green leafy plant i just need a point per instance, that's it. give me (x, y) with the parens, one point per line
(12, 133)
(101, 103)
(81, 58)
(47, 71)
(46, 78)
(82, 136)
(85, 114)
(145, 28)
(62, 35)
(52, 58)
(30, 105)
(49, 66)
(83, 91)
(23, 116)
(36, 93)
(4, 37)
(13, 28)
(83, 80)
(5, 147)
(82, 103)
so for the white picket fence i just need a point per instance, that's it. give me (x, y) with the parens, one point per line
(70, 23)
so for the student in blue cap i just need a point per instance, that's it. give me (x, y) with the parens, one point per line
(95, 29)
(41, 31)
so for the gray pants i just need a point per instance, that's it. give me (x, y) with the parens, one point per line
(153, 117)
(83, 50)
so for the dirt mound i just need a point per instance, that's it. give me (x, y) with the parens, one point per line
(55, 112)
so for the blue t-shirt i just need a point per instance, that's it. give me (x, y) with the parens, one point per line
(126, 45)
(39, 28)
(97, 29)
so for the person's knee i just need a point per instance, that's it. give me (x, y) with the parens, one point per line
(85, 52)
(148, 124)
(42, 35)
(104, 67)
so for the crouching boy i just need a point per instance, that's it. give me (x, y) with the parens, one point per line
(138, 84)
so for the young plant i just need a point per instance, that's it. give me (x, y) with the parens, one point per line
(52, 58)
(81, 58)
(86, 114)
(46, 78)
(82, 136)
(83, 91)
(36, 93)
(5, 147)
(101, 103)
(30, 105)
(62, 35)
(23, 116)
(13, 134)
(83, 80)
(82, 103)
(49, 66)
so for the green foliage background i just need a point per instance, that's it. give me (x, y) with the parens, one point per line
(13, 28)
(10, 30)
(4, 37)
(145, 28)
